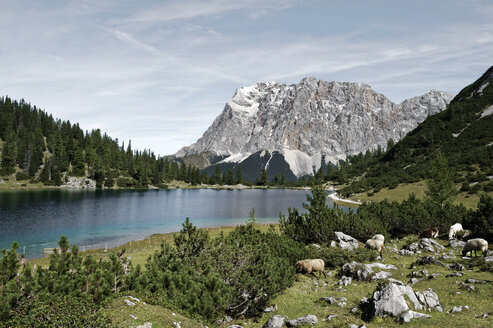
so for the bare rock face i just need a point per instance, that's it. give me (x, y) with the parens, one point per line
(311, 121)
(345, 241)
(395, 299)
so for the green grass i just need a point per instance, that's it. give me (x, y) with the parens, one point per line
(402, 191)
(303, 297)
(119, 313)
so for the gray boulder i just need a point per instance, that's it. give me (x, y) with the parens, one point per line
(413, 247)
(364, 272)
(488, 259)
(430, 245)
(406, 252)
(276, 321)
(429, 299)
(456, 267)
(235, 326)
(456, 243)
(344, 281)
(429, 260)
(393, 299)
(345, 241)
(309, 319)
(330, 317)
(410, 315)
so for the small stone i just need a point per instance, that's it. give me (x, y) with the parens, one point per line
(309, 319)
(414, 281)
(475, 281)
(330, 317)
(410, 315)
(276, 321)
(330, 299)
(454, 274)
(456, 309)
(429, 260)
(133, 317)
(354, 310)
(456, 267)
(129, 303)
(271, 308)
(235, 326)
(145, 325)
(344, 281)
(341, 304)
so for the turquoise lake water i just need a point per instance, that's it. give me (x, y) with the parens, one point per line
(96, 219)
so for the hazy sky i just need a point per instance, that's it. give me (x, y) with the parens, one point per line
(159, 72)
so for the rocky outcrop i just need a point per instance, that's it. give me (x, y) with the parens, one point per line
(309, 123)
(345, 241)
(396, 299)
(79, 183)
(365, 272)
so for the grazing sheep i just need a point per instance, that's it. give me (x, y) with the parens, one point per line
(454, 229)
(379, 237)
(429, 233)
(311, 266)
(476, 244)
(375, 244)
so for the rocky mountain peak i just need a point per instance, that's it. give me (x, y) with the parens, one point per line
(310, 123)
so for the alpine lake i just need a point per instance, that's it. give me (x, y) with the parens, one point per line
(108, 218)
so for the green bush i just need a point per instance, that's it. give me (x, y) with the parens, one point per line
(47, 310)
(335, 257)
(22, 176)
(238, 274)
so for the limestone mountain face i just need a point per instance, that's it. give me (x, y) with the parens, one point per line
(309, 123)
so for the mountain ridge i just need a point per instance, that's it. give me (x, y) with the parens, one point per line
(310, 124)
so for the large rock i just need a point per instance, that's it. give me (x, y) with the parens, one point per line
(394, 299)
(345, 241)
(430, 245)
(309, 319)
(426, 260)
(276, 321)
(365, 272)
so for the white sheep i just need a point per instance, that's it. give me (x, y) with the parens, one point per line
(476, 244)
(454, 229)
(311, 266)
(379, 237)
(375, 244)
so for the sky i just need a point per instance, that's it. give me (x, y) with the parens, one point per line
(160, 72)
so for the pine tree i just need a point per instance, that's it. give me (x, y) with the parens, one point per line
(9, 154)
(441, 189)
(239, 176)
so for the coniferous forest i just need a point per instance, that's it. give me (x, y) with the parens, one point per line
(36, 146)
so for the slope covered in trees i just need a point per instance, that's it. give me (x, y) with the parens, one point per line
(463, 133)
(39, 147)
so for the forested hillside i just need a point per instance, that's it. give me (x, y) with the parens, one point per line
(463, 133)
(36, 146)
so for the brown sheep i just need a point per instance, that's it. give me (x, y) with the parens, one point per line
(429, 233)
(311, 266)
